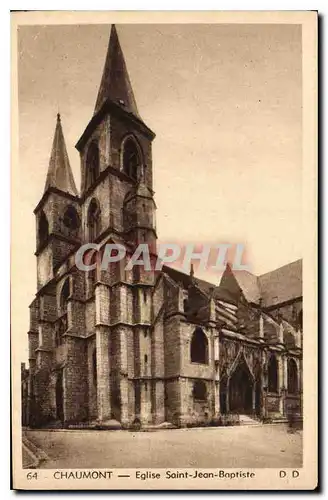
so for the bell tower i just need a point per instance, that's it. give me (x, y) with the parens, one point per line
(58, 218)
(117, 204)
(115, 152)
(92, 348)
(58, 234)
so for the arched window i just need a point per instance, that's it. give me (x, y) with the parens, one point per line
(93, 220)
(43, 228)
(131, 158)
(199, 347)
(199, 391)
(92, 164)
(292, 377)
(92, 258)
(273, 374)
(71, 219)
(65, 293)
(94, 366)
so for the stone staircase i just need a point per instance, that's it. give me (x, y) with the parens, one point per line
(247, 420)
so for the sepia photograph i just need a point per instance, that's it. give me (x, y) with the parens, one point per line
(163, 251)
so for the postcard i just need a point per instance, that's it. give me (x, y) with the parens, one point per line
(164, 250)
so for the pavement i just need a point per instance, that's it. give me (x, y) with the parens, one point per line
(270, 445)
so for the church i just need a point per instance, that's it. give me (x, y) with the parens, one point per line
(152, 347)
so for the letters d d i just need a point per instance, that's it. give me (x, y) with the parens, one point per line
(283, 473)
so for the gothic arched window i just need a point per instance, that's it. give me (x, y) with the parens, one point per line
(71, 219)
(92, 164)
(65, 293)
(43, 228)
(199, 391)
(199, 347)
(131, 161)
(292, 377)
(273, 374)
(93, 220)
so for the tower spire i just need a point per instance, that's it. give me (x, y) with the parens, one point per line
(60, 174)
(115, 83)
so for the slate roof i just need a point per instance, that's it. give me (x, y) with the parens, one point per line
(269, 289)
(115, 83)
(282, 284)
(60, 174)
(249, 284)
(185, 280)
(276, 287)
(232, 311)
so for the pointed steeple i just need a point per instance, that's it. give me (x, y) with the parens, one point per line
(115, 84)
(60, 175)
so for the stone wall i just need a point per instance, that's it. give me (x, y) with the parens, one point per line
(195, 411)
(76, 380)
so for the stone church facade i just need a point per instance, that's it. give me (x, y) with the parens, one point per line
(145, 346)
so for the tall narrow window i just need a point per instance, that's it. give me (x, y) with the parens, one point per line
(273, 374)
(92, 164)
(94, 366)
(93, 220)
(292, 376)
(199, 347)
(65, 293)
(61, 324)
(43, 228)
(92, 275)
(131, 158)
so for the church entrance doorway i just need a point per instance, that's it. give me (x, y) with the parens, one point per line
(241, 390)
(60, 396)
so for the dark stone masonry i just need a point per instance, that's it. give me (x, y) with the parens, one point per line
(144, 347)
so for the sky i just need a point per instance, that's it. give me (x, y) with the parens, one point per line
(225, 102)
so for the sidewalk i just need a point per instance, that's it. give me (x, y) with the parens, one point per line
(32, 456)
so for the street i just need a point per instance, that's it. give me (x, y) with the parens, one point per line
(228, 447)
